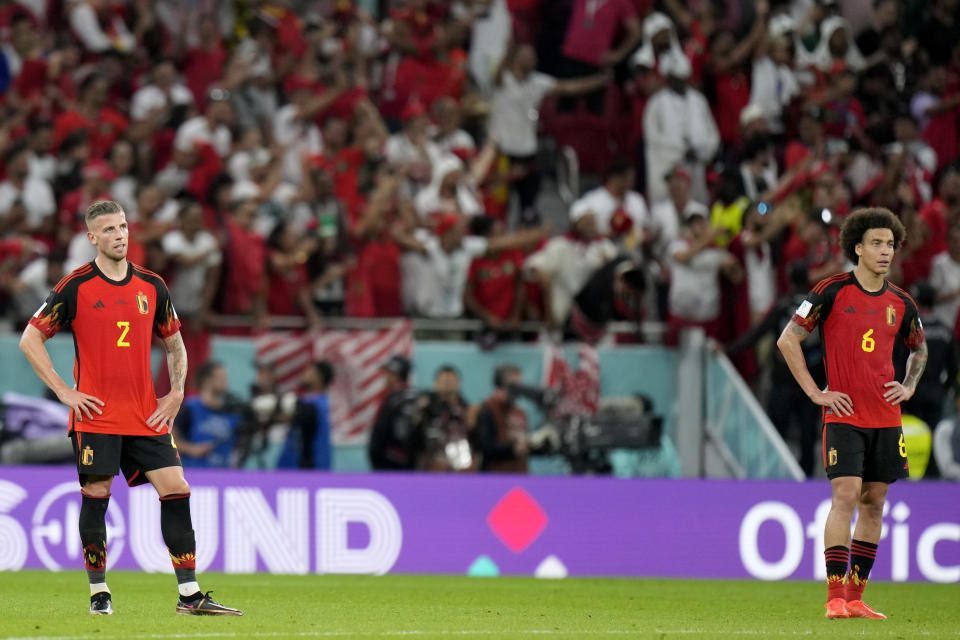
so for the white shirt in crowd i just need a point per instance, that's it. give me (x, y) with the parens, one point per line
(666, 222)
(186, 289)
(672, 123)
(438, 277)
(43, 166)
(695, 285)
(79, 252)
(300, 139)
(124, 191)
(198, 130)
(151, 97)
(36, 196)
(773, 86)
(401, 152)
(604, 205)
(241, 162)
(761, 279)
(570, 264)
(945, 276)
(516, 110)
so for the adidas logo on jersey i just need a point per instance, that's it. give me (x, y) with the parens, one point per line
(99, 305)
(850, 309)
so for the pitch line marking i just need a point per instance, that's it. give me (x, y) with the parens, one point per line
(459, 632)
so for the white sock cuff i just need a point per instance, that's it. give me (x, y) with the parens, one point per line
(188, 588)
(98, 587)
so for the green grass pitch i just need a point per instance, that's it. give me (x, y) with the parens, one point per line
(54, 605)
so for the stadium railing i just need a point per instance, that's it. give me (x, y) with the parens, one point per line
(721, 430)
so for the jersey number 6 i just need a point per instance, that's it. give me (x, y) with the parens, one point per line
(124, 327)
(868, 343)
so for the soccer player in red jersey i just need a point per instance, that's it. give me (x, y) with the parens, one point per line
(860, 316)
(116, 420)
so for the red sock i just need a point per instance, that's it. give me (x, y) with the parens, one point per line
(836, 558)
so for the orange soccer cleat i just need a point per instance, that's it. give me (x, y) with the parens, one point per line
(860, 609)
(836, 608)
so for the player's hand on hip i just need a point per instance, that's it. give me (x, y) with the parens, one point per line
(897, 393)
(83, 404)
(167, 408)
(838, 402)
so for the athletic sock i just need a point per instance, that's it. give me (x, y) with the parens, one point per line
(862, 555)
(177, 529)
(93, 538)
(836, 558)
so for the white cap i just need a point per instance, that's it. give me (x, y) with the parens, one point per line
(781, 24)
(751, 113)
(579, 209)
(655, 23)
(244, 190)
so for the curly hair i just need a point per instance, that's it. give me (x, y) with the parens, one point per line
(862, 220)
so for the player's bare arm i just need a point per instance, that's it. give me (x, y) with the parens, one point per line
(789, 345)
(169, 405)
(901, 392)
(33, 347)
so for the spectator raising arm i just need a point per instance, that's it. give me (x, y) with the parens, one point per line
(578, 86)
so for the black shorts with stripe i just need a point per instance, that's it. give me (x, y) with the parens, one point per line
(103, 454)
(875, 455)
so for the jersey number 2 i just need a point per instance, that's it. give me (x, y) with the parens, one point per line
(868, 344)
(124, 327)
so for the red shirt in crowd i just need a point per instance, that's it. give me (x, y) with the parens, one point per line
(284, 288)
(344, 167)
(203, 68)
(592, 28)
(732, 94)
(73, 208)
(109, 126)
(373, 285)
(246, 254)
(494, 281)
(917, 266)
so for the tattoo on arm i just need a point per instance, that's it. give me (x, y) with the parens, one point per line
(797, 330)
(176, 361)
(915, 365)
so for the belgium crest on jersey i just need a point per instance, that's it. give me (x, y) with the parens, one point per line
(142, 303)
(891, 315)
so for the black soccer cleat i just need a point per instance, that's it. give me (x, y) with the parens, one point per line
(204, 605)
(100, 604)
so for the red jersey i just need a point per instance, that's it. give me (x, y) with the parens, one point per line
(494, 281)
(859, 329)
(112, 323)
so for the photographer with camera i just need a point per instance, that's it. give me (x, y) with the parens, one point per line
(207, 425)
(442, 422)
(500, 430)
(393, 437)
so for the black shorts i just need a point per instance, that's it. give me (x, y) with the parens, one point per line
(103, 454)
(876, 455)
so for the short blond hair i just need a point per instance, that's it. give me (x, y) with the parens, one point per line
(101, 208)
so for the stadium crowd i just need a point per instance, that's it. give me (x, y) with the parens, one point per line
(316, 159)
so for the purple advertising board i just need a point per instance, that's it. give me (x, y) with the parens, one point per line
(304, 522)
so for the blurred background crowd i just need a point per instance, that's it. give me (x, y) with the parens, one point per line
(561, 162)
